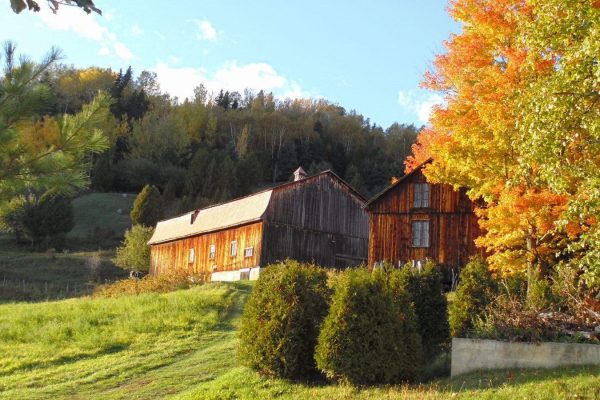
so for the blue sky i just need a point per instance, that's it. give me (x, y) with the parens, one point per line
(364, 55)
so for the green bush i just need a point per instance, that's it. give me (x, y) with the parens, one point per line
(431, 307)
(134, 254)
(281, 320)
(475, 290)
(370, 335)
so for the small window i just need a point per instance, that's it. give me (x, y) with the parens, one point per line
(192, 256)
(421, 195)
(233, 249)
(213, 252)
(248, 251)
(420, 233)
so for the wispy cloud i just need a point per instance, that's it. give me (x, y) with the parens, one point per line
(206, 30)
(180, 81)
(136, 31)
(418, 103)
(160, 35)
(86, 26)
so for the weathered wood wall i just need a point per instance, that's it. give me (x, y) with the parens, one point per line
(452, 230)
(174, 255)
(318, 219)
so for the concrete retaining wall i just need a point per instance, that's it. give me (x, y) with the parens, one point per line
(477, 354)
(237, 275)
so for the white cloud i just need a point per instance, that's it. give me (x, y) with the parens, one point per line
(180, 81)
(122, 51)
(86, 26)
(206, 30)
(419, 104)
(174, 59)
(136, 31)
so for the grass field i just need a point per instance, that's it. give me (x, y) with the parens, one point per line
(100, 220)
(36, 276)
(27, 276)
(183, 345)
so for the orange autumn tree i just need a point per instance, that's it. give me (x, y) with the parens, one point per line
(477, 140)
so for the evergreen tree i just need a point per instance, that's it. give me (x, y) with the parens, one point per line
(147, 207)
(50, 152)
(43, 221)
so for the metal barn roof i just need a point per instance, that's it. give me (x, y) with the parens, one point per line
(232, 213)
(237, 212)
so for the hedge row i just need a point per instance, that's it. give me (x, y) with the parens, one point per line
(366, 328)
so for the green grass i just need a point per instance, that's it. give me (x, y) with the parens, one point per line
(37, 277)
(27, 276)
(97, 220)
(183, 345)
(144, 346)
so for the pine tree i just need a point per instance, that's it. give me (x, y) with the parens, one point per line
(41, 153)
(148, 207)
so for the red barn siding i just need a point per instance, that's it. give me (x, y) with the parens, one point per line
(453, 225)
(317, 220)
(173, 255)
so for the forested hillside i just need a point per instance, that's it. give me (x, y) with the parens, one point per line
(222, 145)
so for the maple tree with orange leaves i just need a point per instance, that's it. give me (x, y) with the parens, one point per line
(520, 127)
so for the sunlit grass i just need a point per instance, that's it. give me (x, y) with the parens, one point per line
(183, 345)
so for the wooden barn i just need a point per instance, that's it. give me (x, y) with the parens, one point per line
(412, 220)
(317, 219)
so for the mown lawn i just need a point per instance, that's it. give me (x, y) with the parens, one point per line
(146, 346)
(183, 345)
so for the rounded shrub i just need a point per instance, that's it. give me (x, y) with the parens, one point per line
(281, 320)
(475, 290)
(431, 307)
(369, 335)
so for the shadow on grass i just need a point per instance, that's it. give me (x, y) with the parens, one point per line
(109, 349)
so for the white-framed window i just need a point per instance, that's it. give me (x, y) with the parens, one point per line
(421, 195)
(192, 255)
(212, 252)
(233, 249)
(420, 233)
(248, 251)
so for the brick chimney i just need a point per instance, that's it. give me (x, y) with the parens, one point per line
(194, 215)
(299, 174)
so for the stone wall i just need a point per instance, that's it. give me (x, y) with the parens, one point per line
(477, 354)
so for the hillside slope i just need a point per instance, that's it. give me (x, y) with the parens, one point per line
(100, 220)
(183, 345)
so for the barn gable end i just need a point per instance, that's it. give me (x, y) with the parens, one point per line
(413, 220)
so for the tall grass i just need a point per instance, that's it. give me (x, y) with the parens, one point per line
(176, 280)
(39, 277)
